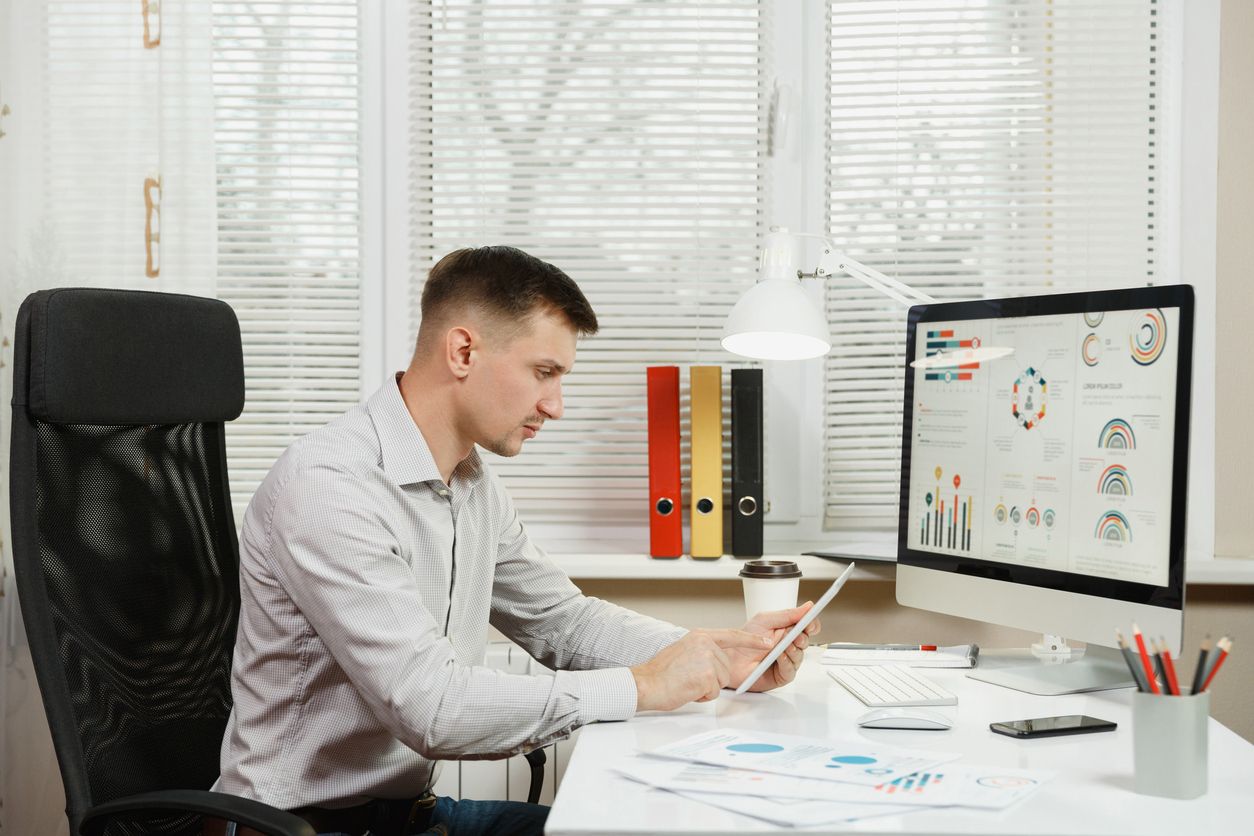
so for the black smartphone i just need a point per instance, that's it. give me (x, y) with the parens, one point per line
(1047, 726)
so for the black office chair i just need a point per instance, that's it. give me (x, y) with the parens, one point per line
(126, 554)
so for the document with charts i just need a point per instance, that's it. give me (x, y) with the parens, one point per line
(965, 785)
(1057, 456)
(852, 761)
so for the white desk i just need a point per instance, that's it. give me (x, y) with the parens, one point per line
(1091, 795)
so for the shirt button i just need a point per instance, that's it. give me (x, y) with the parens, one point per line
(444, 492)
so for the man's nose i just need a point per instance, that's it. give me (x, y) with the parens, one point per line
(551, 407)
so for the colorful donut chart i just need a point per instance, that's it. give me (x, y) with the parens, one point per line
(1147, 336)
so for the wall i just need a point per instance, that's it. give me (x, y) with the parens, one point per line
(1234, 267)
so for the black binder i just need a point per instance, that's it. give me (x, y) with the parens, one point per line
(746, 462)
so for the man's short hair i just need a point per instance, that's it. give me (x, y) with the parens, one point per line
(503, 283)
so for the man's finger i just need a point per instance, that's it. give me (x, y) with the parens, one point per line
(782, 618)
(803, 641)
(728, 639)
(789, 673)
(785, 671)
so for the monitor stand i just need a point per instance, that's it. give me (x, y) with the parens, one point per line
(1097, 669)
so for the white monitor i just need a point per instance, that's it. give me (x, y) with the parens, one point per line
(1044, 468)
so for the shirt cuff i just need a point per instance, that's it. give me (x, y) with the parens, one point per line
(608, 694)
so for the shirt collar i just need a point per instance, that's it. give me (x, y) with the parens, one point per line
(406, 456)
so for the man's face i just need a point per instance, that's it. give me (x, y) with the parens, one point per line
(519, 384)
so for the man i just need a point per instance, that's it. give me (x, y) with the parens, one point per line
(379, 548)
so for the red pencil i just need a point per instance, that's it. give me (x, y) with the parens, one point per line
(1223, 645)
(1145, 660)
(1172, 684)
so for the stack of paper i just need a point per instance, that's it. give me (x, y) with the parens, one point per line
(803, 781)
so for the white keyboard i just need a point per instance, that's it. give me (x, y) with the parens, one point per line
(886, 686)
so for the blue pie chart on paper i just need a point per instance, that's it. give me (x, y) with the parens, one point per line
(860, 760)
(755, 748)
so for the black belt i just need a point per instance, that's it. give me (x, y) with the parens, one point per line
(379, 817)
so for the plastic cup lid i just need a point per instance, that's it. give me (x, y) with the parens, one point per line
(770, 569)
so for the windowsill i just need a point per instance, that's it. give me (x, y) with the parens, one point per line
(1221, 570)
(642, 567)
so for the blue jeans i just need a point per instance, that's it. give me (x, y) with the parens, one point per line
(485, 818)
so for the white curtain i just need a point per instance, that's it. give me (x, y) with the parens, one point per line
(93, 111)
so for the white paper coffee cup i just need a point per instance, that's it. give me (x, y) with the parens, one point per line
(770, 585)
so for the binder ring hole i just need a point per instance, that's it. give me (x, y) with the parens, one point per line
(665, 506)
(704, 505)
(748, 506)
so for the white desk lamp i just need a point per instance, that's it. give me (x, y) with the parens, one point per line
(778, 320)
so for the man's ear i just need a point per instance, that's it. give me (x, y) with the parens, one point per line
(460, 346)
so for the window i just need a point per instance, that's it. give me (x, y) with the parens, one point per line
(622, 142)
(286, 140)
(998, 149)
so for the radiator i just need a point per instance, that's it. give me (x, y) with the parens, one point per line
(506, 780)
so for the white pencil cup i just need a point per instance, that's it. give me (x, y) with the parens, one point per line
(770, 585)
(1169, 737)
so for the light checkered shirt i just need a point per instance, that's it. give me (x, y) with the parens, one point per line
(367, 587)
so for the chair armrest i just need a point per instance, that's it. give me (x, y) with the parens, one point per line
(245, 811)
(535, 758)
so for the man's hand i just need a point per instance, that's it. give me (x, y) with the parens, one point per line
(774, 626)
(696, 667)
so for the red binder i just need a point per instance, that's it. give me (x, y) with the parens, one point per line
(666, 532)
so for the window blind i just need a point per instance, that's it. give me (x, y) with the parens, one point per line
(98, 122)
(619, 141)
(974, 150)
(285, 78)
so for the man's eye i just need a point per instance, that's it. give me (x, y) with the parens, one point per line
(545, 372)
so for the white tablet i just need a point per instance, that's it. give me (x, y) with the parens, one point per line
(795, 631)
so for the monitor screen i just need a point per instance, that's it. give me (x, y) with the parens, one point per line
(1046, 441)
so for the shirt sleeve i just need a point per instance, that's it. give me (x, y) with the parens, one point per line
(535, 604)
(338, 558)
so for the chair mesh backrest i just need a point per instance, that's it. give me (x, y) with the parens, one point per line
(142, 584)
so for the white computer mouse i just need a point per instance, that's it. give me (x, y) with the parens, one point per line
(904, 718)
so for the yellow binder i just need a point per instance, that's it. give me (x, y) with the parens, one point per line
(706, 512)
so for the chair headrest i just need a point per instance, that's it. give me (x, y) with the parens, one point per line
(118, 357)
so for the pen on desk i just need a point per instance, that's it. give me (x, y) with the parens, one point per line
(1200, 675)
(1224, 645)
(1160, 669)
(1173, 684)
(852, 646)
(1134, 664)
(1145, 660)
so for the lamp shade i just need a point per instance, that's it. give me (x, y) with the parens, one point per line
(777, 320)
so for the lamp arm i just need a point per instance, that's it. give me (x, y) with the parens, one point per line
(834, 261)
(862, 272)
(870, 280)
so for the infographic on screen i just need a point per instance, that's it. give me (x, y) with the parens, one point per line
(1058, 453)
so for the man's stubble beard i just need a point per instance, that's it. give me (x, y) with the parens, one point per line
(502, 445)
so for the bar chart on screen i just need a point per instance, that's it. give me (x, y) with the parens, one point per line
(949, 514)
(951, 344)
